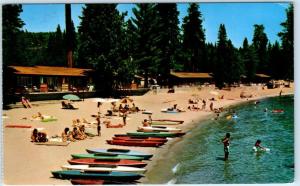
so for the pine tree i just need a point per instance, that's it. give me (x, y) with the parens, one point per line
(100, 34)
(194, 40)
(260, 42)
(168, 41)
(250, 60)
(147, 54)
(287, 43)
(277, 62)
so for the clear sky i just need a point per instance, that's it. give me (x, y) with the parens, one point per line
(238, 18)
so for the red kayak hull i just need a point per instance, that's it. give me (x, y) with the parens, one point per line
(91, 161)
(18, 126)
(87, 182)
(137, 143)
(128, 138)
(137, 137)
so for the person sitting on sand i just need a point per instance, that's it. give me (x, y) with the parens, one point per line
(25, 102)
(145, 123)
(76, 134)
(34, 135)
(195, 108)
(150, 119)
(66, 135)
(82, 131)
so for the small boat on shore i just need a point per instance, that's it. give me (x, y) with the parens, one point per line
(158, 129)
(120, 152)
(87, 182)
(172, 111)
(138, 143)
(104, 168)
(114, 176)
(169, 120)
(92, 161)
(156, 134)
(128, 138)
(107, 157)
(165, 123)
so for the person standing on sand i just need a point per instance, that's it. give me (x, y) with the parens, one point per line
(280, 92)
(204, 104)
(124, 118)
(98, 126)
(225, 141)
(211, 106)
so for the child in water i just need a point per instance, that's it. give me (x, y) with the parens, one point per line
(258, 146)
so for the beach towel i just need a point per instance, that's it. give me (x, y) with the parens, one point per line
(18, 126)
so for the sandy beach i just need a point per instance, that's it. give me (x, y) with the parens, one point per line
(28, 164)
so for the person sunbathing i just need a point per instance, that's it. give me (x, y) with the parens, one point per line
(38, 116)
(76, 134)
(66, 135)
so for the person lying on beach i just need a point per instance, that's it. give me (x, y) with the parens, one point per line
(37, 136)
(66, 135)
(25, 102)
(38, 116)
(67, 105)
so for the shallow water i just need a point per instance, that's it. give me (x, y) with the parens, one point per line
(198, 157)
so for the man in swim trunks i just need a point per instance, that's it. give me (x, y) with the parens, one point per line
(225, 141)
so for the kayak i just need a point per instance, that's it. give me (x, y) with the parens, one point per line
(103, 168)
(117, 176)
(120, 152)
(156, 134)
(168, 120)
(139, 137)
(87, 182)
(98, 182)
(165, 123)
(159, 129)
(92, 161)
(137, 143)
(128, 138)
(107, 157)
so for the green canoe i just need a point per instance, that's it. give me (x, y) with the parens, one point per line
(156, 134)
(107, 157)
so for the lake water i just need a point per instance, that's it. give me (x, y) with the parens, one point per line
(197, 157)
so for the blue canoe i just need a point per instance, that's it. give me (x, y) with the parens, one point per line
(116, 176)
(116, 151)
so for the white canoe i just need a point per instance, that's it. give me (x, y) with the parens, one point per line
(104, 168)
(159, 129)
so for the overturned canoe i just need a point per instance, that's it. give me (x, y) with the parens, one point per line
(92, 161)
(158, 129)
(107, 157)
(103, 168)
(156, 134)
(136, 143)
(120, 152)
(117, 176)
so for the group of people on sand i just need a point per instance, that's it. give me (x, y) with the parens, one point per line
(37, 136)
(226, 143)
(78, 133)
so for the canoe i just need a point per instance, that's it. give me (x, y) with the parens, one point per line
(92, 161)
(158, 129)
(128, 138)
(165, 123)
(98, 182)
(168, 120)
(103, 168)
(156, 134)
(117, 176)
(18, 126)
(107, 157)
(87, 182)
(139, 137)
(137, 143)
(120, 152)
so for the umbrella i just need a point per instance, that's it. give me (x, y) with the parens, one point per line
(126, 100)
(71, 97)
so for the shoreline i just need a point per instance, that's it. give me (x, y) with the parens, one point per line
(189, 126)
(41, 158)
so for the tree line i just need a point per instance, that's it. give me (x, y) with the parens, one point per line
(150, 43)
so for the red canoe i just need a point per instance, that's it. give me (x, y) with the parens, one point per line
(138, 143)
(18, 126)
(86, 182)
(137, 137)
(128, 138)
(91, 161)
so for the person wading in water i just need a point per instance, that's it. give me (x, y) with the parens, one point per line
(225, 141)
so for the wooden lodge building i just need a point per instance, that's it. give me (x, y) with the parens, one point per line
(181, 78)
(48, 78)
